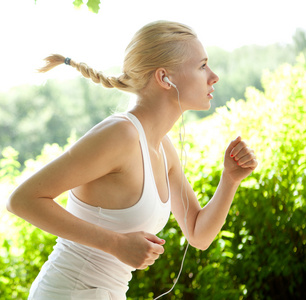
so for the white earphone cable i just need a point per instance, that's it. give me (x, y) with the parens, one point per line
(183, 158)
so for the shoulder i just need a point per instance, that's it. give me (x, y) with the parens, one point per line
(109, 143)
(115, 130)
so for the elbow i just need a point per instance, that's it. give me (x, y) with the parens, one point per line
(13, 203)
(10, 204)
(199, 240)
(201, 245)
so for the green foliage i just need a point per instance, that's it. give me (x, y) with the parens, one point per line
(9, 166)
(76, 105)
(299, 39)
(24, 248)
(59, 108)
(22, 254)
(244, 67)
(260, 251)
(93, 5)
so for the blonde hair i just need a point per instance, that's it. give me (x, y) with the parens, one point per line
(157, 44)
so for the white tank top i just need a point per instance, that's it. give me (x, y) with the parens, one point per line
(94, 267)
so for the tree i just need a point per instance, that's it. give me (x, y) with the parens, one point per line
(243, 67)
(31, 116)
(299, 41)
(260, 251)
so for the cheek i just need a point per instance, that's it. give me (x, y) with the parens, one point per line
(192, 85)
(184, 77)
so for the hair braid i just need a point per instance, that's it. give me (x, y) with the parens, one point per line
(157, 44)
(97, 77)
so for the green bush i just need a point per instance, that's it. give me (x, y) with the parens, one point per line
(59, 107)
(24, 248)
(260, 252)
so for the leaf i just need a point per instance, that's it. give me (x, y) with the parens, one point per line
(78, 3)
(94, 5)
(227, 234)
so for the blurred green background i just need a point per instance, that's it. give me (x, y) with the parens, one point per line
(260, 251)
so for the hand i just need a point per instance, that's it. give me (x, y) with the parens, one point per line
(139, 249)
(239, 161)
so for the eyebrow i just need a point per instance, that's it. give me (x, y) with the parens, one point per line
(204, 59)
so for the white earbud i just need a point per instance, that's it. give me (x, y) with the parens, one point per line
(166, 79)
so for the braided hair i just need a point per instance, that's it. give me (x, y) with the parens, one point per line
(157, 44)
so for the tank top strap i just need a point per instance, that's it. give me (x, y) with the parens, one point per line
(143, 142)
(138, 126)
(165, 158)
(145, 150)
(143, 138)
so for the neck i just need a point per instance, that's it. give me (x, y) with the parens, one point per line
(157, 116)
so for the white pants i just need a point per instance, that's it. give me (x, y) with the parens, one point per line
(51, 284)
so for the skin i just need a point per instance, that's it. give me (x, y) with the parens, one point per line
(104, 168)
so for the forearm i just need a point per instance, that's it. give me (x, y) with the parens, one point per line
(211, 218)
(49, 216)
(141, 249)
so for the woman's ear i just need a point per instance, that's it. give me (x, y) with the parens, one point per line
(159, 75)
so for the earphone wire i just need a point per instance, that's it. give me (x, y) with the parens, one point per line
(183, 158)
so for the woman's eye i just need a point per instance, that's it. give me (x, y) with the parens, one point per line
(203, 66)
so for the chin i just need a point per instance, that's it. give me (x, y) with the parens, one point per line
(207, 106)
(201, 109)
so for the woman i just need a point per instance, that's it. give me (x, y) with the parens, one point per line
(124, 176)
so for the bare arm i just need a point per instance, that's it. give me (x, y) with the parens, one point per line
(98, 153)
(203, 224)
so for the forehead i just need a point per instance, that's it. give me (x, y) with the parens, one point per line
(197, 51)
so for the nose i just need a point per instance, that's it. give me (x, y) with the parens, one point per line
(213, 78)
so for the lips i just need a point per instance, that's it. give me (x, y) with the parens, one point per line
(211, 91)
(209, 95)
